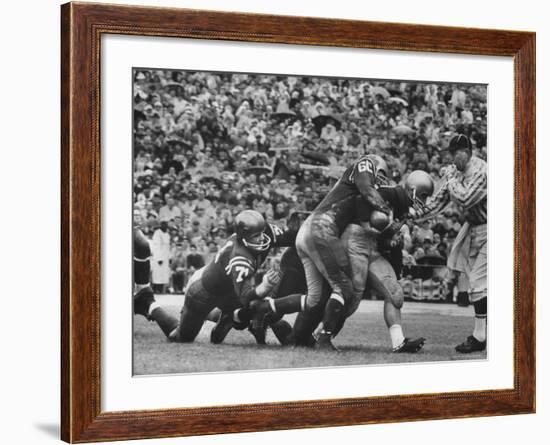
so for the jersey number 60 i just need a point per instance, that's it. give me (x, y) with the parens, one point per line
(365, 166)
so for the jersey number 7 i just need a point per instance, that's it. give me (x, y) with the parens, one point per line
(242, 273)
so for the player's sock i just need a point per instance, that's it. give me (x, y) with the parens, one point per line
(480, 323)
(282, 330)
(241, 318)
(241, 315)
(396, 334)
(339, 327)
(165, 321)
(288, 305)
(334, 310)
(142, 266)
(304, 325)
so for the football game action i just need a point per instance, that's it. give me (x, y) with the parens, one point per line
(301, 221)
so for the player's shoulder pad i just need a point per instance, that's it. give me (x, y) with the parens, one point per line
(273, 232)
(239, 263)
(363, 165)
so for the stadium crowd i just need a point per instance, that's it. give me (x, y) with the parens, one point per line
(208, 145)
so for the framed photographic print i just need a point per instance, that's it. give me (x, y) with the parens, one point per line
(278, 222)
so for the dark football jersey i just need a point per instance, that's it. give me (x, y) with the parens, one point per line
(396, 198)
(358, 181)
(232, 271)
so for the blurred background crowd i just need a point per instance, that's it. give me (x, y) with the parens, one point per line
(208, 145)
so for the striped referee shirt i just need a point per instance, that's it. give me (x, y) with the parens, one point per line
(468, 190)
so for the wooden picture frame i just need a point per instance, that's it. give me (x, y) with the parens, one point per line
(82, 26)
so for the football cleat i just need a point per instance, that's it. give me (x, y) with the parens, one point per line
(143, 300)
(471, 344)
(410, 346)
(324, 343)
(222, 328)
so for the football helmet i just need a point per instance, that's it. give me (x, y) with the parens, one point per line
(382, 170)
(419, 186)
(250, 228)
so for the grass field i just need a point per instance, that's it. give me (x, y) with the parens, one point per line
(363, 341)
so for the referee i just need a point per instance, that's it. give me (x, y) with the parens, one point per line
(465, 183)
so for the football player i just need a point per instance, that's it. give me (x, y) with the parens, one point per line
(374, 253)
(287, 297)
(373, 240)
(143, 294)
(325, 261)
(227, 282)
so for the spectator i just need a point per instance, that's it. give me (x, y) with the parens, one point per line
(179, 269)
(169, 211)
(220, 143)
(424, 232)
(160, 266)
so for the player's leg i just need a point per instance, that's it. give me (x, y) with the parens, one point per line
(289, 297)
(478, 291)
(142, 263)
(196, 309)
(317, 289)
(281, 329)
(142, 270)
(191, 321)
(227, 319)
(382, 279)
(291, 292)
(214, 315)
(332, 261)
(462, 298)
(358, 245)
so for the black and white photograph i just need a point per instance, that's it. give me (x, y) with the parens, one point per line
(302, 222)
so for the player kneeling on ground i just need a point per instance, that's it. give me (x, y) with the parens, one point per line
(226, 283)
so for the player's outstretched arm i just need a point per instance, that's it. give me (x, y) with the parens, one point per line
(434, 205)
(244, 284)
(365, 183)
